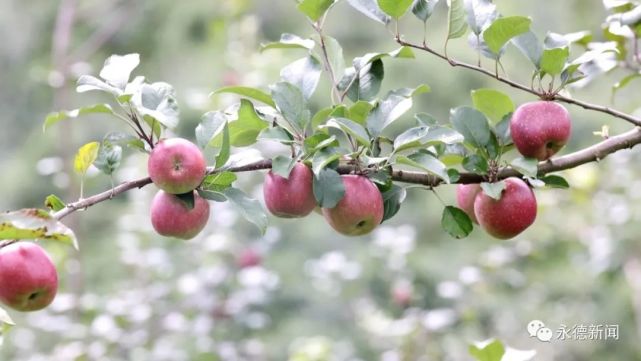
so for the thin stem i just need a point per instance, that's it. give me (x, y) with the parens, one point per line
(335, 93)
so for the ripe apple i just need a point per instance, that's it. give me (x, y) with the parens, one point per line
(360, 210)
(176, 165)
(248, 258)
(170, 216)
(540, 129)
(291, 197)
(28, 278)
(509, 216)
(465, 196)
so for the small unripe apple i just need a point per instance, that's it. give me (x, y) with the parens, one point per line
(176, 165)
(509, 216)
(28, 278)
(540, 129)
(359, 211)
(171, 217)
(465, 196)
(248, 258)
(291, 197)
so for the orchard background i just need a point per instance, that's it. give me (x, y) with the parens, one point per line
(129, 294)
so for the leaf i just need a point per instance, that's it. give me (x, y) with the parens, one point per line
(245, 129)
(503, 29)
(553, 60)
(303, 73)
(351, 128)
(472, 124)
(370, 9)
(425, 162)
(54, 203)
(479, 14)
(323, 158)
(425, 119)
(456, 26)
(118, 68)
(527, 166)
(423, 9)
(493, 190)
(85, 157)
(188, 199)
(319, 141)
(314, 9)
(493, 103)
(53, 118)
(395, 8)
(211, 125)
(282, 166)
(529, 45)
(335, 56)
(158, 100)
(35, 224)
(251, 93)
(395, 104)
(225, 149)
(87, 83)
(624, 82)
(289, 41)
(493, 351)
(456, 222)
(124, 139)
(555, 181)
(291, 103)
(5, 318)
(502, 130)
(359, 111)
(218, 181)
(475, 164)
(109, 157)
(365, 84)
(328, 188)
(392, 200)
(278, 134)
(249, 208)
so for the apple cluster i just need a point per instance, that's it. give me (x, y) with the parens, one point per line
(539, 130)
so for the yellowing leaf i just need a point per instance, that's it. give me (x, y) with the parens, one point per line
(86, 155)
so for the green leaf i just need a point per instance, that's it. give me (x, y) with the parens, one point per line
(54, 203)
(472, 124)
(423, 9)
(493, 190)
(35, 224)
(85, 157)
(211, 125)
(555, 181)
(456, 222)
(314, 9)
(527, 166)
(217, 182)
(323, 158)
(479, 13)
(335, 56)
(225, 149)
(289, 41)
(303, 73)
(553, 60)
(124, 139)
(188, 199)
(425, 119)
(456, 26)
(395, 104)
(244, 131)
(117, 69)
(624, 82)
(493, 351)
(493, 103)
(328, 188)
(319, 141)
(278, 134)
(365, 84)
(291, 103)
(158, 100)
(53, 118)
(410, 138)
(109, 157)
(370, 9)
(425, 162)
(249, 208)
(359, 111)
(392, 200)
(251, 93)
(351, 128)
(5, 318)
(530, 46)
(475, 164)
(504, 29)
(395, 8)
(283, 166)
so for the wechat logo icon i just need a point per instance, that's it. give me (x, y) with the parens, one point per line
(537, 329)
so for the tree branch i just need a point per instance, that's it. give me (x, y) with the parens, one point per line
(599, 108)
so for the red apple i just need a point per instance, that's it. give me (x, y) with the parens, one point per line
(176, 165)
(465, 196)
(540, 129)
(28, 278)
(290, 197)
(360, 210)
(509, 216)
(402, 294)
(248, 258)
(171, 217)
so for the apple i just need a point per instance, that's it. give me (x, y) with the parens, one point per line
(291, 197)
(465, 196)
(171, 217)
(540, 129)
(509, 216)
(402, 295)
(28, 278)
(176, 165)
(359, 211)
(248, 258)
